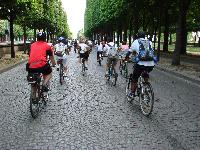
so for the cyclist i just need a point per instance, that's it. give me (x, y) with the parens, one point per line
(141, 64)
(112, 54)
(99, 48)
(75, 45)
(38, 59)
(83, 50)
(60, 51)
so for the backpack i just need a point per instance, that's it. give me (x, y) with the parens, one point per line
(146, 52)
(112, 50)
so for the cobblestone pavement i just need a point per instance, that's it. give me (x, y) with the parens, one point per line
(86, 113)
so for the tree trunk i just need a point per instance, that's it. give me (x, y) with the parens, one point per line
(12, 35)
(166, 32)
(158, 48)
(34, 35)
(25, 47)
(181, 32)
(170, 39)
(130, 33)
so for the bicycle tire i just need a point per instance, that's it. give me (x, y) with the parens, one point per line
(120, 68)
(113, 77)
(61, 74)
(83, 67)
(34, 102)
(99, 61)
(128, 90)
(146, 99)
(126, 71)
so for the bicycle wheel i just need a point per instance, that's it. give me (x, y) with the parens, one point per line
(113, 78)
(120, 68)
(61, 74)
(125, 71)
(146, 99)
(34, 101)
(128, 90)
(83, 67)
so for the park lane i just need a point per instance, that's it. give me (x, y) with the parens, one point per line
(86, 113)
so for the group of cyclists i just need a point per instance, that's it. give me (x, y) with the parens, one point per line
(41, 52)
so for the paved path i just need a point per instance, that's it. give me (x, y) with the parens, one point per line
(85, 113)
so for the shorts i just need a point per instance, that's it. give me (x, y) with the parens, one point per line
(45, 70)
(138, 69)
(84, 55)
(64, 60)
(110, 59)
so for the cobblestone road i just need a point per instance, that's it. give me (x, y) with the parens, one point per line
(86, 113)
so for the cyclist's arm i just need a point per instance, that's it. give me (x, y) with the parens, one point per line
(50, 53)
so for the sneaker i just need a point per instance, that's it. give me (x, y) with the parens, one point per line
(44, 88)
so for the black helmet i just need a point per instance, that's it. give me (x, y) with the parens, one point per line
(41, 36)
(141, 34)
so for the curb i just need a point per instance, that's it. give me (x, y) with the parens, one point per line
(178, 75)
(12, 66)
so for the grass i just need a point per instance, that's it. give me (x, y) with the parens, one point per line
(8, 61)
(190, 48)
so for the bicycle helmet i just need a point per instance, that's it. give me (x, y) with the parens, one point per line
(41, 36)
(60, 39)
(141, 34)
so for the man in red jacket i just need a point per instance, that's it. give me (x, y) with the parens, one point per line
(40, 51)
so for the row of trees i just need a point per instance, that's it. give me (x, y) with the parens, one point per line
(46, 15)
(104, 18)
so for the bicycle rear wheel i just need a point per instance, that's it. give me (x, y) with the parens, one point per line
(126, 71)
(120, 68)
(61, 74)
(34, 101)
(83, 67)
(113, 78)
(128, 90)
(146, 99)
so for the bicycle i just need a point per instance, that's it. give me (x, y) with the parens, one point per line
(61, 71)
(100, 58)
(112, 75)
(123, 68)
(38, 98)
(83, 66)
(144, 92)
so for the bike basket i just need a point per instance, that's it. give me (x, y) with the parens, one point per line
(33, 78)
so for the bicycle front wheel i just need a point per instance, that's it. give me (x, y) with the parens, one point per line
(34, 101)
(146, 99)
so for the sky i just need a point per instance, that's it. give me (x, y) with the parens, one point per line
(75, 10)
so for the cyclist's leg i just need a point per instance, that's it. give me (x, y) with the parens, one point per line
(136, 74)
(47, 74)
(115, 60)
(109, 61)
(86, 56)
(98, 55)
(64, 61)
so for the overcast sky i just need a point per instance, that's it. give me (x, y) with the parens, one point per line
(75, 10)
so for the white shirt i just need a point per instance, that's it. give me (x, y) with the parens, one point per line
(61, 47)
(111, 50)
(135, 47)
(83, 47)
(99, 47)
